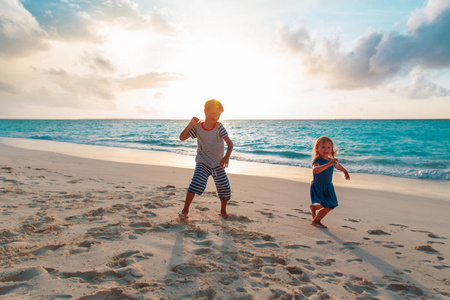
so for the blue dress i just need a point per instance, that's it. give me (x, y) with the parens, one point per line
(322, 189)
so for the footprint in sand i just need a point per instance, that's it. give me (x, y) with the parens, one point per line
(433, 242)
(324, 262)
(426, 248)
(48, 248)
(242, 219)
(108, 232)
(441, 267)
(141, 227)
(267, 214)
(354, 260)
(433, 236)
(293, 216)
(82, 247)
(295, 246)
(345, 226)
(399, 225)
(302, 211)
(361, 287)
(377, 232)
(267, 245)
(201, 208)
(191, 269)
(127, 263)
(92, 276)
(294, 270)
(205, 243)
(269, 270)
(405, 290)
(351, 245)
(421, 231)
(392, 245)
(208, 293)
(202, 251)
(15, 278)
(274, 260)
(352, 220)
(112, 293)
(306, 264)
(149, 214)
(21, 274)
(324, 242)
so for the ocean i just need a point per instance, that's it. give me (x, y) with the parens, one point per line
(403, 148)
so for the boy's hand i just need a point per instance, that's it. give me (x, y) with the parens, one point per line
(347, 177)
(185, 133)
(224, 162)
(195, 121)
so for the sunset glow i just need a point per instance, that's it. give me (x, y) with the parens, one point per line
(266, 60)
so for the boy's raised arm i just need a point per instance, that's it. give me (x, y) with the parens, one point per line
(185, 133)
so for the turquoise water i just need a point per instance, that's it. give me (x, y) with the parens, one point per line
(403, 148)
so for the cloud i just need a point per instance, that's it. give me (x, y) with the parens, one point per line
(103, 87)
(376, 57)
(97, 62)
(159, 96)
(82, 87)
(8, 88)
(20, 33)
(421, 88)
(83, 21)
(125, 13)
(28, 27)
(148, 81)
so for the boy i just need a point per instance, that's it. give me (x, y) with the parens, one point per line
(210, 136)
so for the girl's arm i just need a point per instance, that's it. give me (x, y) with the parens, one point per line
(185, 133)
(317, 168)
(342, 169)
(225, 160)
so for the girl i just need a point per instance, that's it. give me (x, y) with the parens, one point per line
(323, 197)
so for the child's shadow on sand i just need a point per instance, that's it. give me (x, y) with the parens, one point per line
(375, 261)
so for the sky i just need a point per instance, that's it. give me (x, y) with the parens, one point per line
(263, 59)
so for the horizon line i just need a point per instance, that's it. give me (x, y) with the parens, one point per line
(238, 119)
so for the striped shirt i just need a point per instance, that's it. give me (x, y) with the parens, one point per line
(210, 144)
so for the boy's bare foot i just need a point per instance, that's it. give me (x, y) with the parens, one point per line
(313, 211)
(183, 216)
(224, 215)
(318, 224)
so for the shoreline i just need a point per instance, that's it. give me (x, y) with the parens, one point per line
(427, 188)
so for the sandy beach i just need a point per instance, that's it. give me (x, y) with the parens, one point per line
(76, 227)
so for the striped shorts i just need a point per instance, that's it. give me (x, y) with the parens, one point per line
(201, 175)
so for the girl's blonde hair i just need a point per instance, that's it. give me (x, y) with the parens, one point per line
(323, 139)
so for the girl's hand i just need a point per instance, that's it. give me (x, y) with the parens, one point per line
(333, 161)
(347, 176)
(342, 169)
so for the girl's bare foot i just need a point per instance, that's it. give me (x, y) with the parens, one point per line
(318, 224)
(313, 211)
(224, 215)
